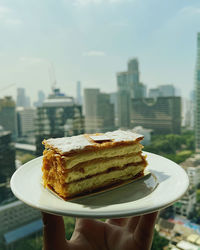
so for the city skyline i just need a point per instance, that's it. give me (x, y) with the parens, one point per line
(92, 40)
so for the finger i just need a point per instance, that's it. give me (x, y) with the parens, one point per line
(88, 232)
(145, 229)
(53, 232)
(132, 223)
(88, 225)
(121, 222)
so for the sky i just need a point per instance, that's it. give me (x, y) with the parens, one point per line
(91, 40)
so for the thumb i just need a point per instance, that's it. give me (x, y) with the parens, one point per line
(53, 232)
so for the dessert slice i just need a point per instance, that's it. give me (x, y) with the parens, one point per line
(77, 165)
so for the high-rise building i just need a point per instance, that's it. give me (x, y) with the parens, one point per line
(129, 86)
(114, 101)
(99, 111)
(167, 90)
(154, 93)
(162, 90)
(162, 115)
(25, 122)
(41, 98)
(22, 99)
(8, 117)
(58, 116)
(78, 93)
(192, 167)
(185, 205)
(188, 113)
(7, 163)
(197, 98)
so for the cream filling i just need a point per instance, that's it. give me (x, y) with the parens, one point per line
(104, 153)
(103, 180)
(101, 165)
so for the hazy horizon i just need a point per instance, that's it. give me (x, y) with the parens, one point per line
(91, 40)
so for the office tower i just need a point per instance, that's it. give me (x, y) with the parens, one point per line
(78, 93)
(99, 111)
(188, 113)
(162, 115)
(41, 98)
(167, 90)
(58, 116)
(162, 90)
(22, 99)
(8, 118)
(7, 163)
(124, 100)
(25, 121)
(129, 86)
(114, 101)
(154, 93)
(90, 106)
(197, 98)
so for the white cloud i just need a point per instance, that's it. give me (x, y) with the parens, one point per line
(7, 16)
(190, 10)
(13, 21)
(32, 60)
(4, 11)
(94, 53)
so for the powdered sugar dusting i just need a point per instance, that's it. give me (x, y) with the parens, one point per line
(67, 144)
(121, 135)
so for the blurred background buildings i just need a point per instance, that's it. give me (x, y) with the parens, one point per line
(165, 119)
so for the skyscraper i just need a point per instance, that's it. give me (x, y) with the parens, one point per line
(41, 98)
(197, 98)
(58, 116)
(8, 117)
(162, 90)
(99, 111)
(7, 163)
(78, 93)
(162, 115)
(25, 120)
(129, 86)
(22, 99)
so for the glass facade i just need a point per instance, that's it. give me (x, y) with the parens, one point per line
(197, 98)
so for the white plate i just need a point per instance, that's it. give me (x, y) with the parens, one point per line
(165, 185)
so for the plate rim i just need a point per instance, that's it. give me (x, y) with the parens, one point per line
(101, 214)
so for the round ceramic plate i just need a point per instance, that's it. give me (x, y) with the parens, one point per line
(165, 184)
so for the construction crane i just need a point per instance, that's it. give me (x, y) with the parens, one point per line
(52, 77)
(8, 86)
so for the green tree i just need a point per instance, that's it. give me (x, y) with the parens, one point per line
(31, 243)
(158, 241)
(69, 226)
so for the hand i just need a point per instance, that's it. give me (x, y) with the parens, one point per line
(133, 233)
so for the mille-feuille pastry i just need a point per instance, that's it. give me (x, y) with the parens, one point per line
(82, 164)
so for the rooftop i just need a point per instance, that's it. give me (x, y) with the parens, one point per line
(23, 231)
(26, 147)
(10, 205)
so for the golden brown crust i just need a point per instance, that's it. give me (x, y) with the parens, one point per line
(109, 159)
(67, 196)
